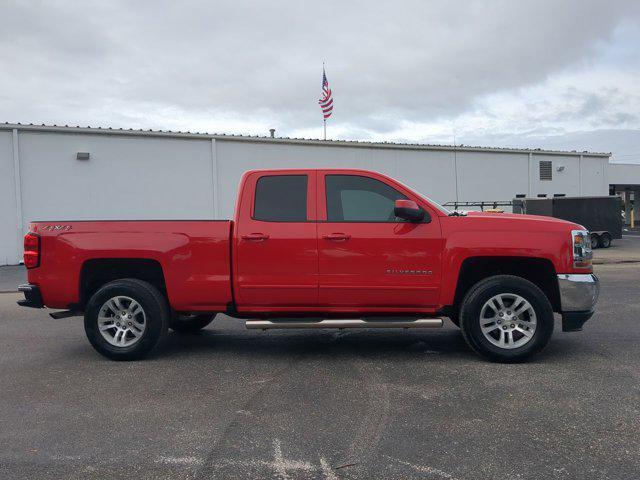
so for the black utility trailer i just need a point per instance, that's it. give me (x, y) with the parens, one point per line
(600, 215)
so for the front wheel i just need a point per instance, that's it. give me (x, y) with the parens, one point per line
(605, 240)
(126, 319)
(506, 318)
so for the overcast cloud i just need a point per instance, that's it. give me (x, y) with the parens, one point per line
(557, 74)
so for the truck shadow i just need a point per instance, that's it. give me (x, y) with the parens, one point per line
(327, 342)
(390, 345)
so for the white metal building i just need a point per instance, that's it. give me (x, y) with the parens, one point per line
(71, 173)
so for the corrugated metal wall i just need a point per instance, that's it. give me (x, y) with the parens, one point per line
(163, 177)
(9, 226)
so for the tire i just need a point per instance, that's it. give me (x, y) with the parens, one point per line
(479, 307)
(605, 240)
(595, 240)
(185, 324)
(147, 322)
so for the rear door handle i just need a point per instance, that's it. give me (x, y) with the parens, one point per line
(255, 237)
(337, 237)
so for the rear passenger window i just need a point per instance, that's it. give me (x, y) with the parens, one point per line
(281, 198)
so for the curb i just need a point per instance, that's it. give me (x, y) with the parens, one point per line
(613, 261)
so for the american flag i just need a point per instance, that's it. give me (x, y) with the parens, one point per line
(326, 102)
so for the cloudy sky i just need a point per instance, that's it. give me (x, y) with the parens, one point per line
(553, 74)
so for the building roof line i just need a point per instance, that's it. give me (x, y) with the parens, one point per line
(285, 140)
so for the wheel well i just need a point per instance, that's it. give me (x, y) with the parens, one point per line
(539, 271)
(98, 272)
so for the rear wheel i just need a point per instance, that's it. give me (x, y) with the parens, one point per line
(595, 240)
(605, 240)
(190, 323)
(126, 319)
(506, 318)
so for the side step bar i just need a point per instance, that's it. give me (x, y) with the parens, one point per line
(346, 323)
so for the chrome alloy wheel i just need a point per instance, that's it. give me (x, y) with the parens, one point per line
(122, 321)
(508, 320)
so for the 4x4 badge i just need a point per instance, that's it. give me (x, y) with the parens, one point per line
(52, 228)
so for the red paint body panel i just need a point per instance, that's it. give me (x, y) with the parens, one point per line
(504, 235)
(281, 271)
(312, 267)
(194, 256)
(381, 265)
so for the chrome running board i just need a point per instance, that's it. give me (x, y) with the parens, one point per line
(344, 323)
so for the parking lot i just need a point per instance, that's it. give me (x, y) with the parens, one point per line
(233, 403)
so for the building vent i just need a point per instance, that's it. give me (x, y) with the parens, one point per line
(546, 172)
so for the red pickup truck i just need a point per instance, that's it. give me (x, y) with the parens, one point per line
(317, 249)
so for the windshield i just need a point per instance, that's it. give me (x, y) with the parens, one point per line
(444, 210)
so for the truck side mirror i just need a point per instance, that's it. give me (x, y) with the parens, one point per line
(408, 210)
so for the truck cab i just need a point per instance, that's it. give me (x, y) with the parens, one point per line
(329, 241)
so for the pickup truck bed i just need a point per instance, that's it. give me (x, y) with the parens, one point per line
(192, 257)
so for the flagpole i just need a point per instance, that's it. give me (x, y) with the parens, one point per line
(324, 120)
(326, 101)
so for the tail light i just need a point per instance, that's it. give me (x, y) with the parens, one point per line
(582, 252)
(31, 250)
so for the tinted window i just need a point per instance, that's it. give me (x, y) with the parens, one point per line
(281, 198)
(351, 198)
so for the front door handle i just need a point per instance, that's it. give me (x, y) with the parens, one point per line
(255, 237)
(337, 237)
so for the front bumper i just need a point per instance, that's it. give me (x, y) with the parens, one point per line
(32, 296)
(578, 297)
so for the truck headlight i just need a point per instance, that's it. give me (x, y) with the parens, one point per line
(582, 252)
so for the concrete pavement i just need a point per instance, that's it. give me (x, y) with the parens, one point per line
(234, 403)
(624, 250)
(11, 276)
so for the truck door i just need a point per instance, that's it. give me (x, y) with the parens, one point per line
(368, 258)
(276, 255)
